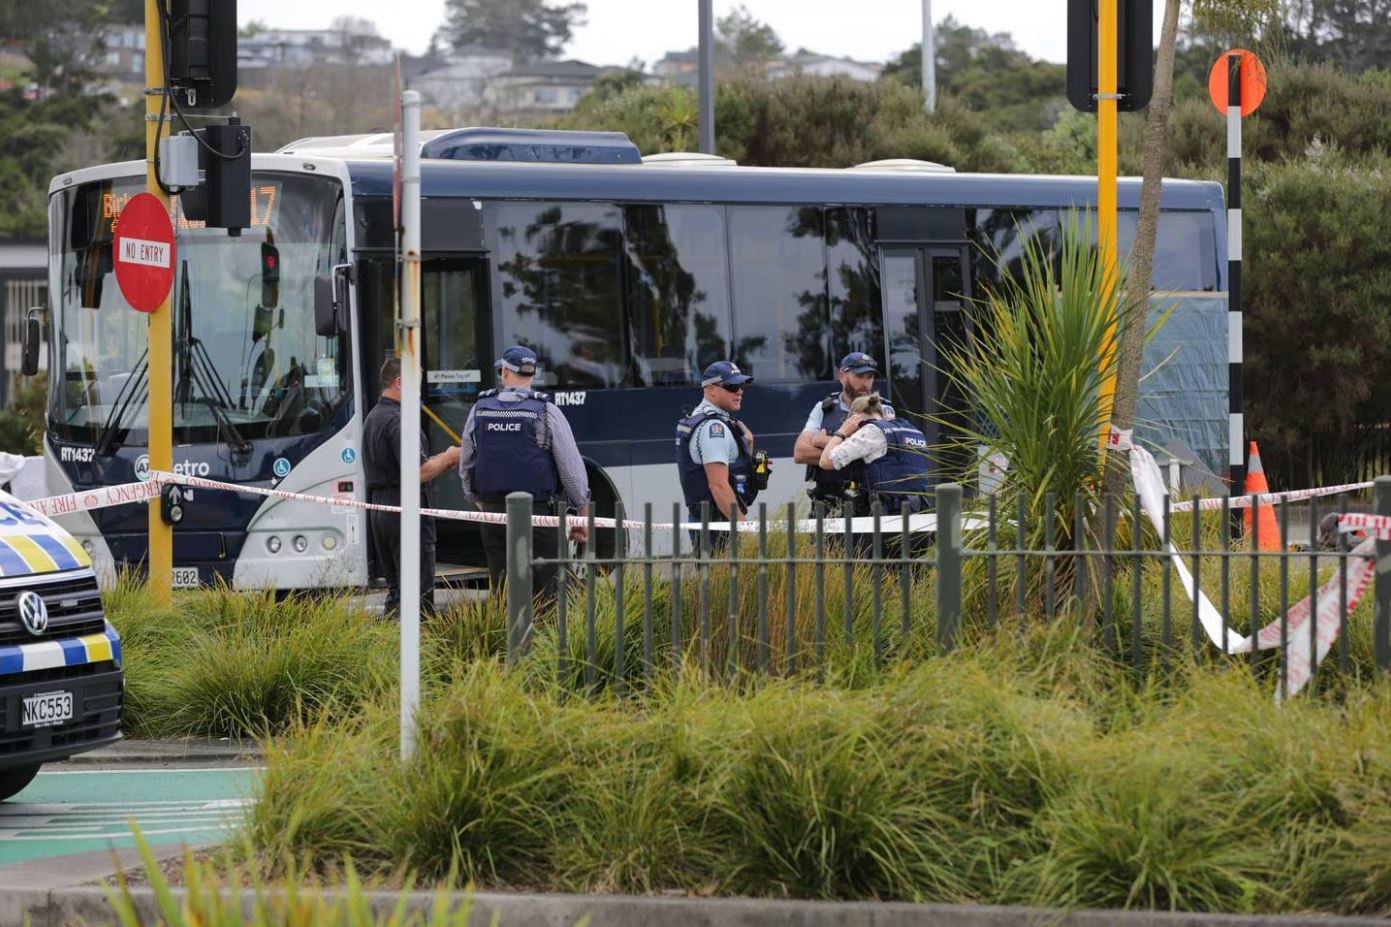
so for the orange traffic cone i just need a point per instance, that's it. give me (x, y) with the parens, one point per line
(1269, 532)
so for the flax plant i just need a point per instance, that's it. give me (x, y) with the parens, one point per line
(1033, 361)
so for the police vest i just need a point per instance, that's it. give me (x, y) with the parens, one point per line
(899, 479)
(830, 484)
(507, 455)
(694, 485)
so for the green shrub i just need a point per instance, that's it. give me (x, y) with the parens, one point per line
(1022, 769)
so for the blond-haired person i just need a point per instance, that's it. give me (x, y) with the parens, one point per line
(894, 454)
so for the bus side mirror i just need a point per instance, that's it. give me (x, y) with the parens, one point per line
(331, 300)
(29, 360)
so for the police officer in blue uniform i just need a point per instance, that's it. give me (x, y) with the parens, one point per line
(834, 488)
(714, 451)
(517, 440)
(893, 452)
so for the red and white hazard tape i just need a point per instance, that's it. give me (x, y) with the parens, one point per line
(889, 525)
(1302, 653)
(1266, 498)
(102, 498)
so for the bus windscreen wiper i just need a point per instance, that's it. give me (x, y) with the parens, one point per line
(225, 428)
(107, 443)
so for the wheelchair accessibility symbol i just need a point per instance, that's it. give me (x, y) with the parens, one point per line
(281, 467)
(349, 455)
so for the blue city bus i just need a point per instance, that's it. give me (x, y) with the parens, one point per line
(626, 275)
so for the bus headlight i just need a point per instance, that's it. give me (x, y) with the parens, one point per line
(330, 542)
(301, 543)
(273, 543)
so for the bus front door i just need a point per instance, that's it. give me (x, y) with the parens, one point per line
(924, 293)
(458, 365)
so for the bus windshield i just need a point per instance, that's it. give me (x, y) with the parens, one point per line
(247, 363)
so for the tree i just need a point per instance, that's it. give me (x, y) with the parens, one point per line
(355, 34)
(987, 73)
(1352, 34)
(1131, 336)
(748, 42)
(529, 29)
(253, 29)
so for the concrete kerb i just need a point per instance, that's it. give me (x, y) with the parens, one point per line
(154, 753)
(89, 906)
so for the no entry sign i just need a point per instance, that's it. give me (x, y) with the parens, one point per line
(143, 246)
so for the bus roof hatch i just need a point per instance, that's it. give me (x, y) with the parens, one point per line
(532, 145)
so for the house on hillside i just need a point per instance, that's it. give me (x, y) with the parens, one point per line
(457, 81)
(122, 55)
(825, 66)
(305, 48)
(541, 87)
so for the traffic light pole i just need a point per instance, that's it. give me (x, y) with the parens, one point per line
(1106, 116)
(160, 561)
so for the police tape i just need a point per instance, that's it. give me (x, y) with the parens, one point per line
(102, 498)
(1265, 498)
(1378, 526)
(1303, 649)
(128, 493)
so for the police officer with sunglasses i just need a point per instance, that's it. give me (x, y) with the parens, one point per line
(714, 451)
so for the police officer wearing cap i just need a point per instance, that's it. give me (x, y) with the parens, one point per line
(893, 452)
(517, 440)
(831, 487)
(381, 462)
(714, 452)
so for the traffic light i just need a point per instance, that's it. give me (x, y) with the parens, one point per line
(223, 200)
(1134, 54)
(270, 275)
(203, 51)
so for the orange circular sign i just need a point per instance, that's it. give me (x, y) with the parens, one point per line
(1252, 76)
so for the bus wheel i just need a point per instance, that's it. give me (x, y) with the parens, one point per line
(14, 781)
(604, 497)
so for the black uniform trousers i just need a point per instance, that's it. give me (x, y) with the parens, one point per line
(386, 537)
(545, 545)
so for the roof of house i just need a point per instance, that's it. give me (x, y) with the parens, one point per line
(567, 69)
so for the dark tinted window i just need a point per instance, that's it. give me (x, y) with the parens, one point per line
(558, 288)
(1185, 249)
(852, 268)
(781, 311)
(678, 291)
(1003, 234)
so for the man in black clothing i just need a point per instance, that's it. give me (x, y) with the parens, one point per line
(381, 459)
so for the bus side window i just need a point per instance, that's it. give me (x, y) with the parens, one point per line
(560, 288)
(678, 291)
(781, 312)
(852, 269)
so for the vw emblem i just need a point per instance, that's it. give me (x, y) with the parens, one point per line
(33, 612)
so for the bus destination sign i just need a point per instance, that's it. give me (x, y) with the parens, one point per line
(143, 249)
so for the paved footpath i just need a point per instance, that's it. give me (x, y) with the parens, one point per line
(73, 811)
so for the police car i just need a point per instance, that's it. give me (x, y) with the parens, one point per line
(60, 660)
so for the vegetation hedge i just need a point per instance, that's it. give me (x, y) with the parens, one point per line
(1025, 770)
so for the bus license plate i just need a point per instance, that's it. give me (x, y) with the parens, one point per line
(185, 577)
(47, 709)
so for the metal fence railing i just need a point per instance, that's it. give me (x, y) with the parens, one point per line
(790, 593)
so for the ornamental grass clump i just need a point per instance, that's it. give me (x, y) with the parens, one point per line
(222, 663)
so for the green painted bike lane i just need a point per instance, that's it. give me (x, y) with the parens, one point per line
(78, 811)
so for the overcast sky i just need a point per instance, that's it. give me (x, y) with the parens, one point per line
(619, 30)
